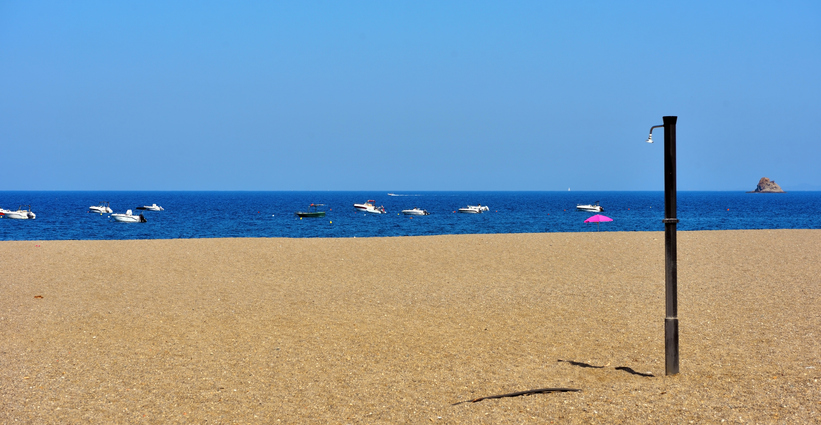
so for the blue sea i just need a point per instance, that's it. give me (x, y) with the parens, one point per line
(64, 216)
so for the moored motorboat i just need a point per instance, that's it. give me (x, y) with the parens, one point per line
(152, 207)
(101, 209)
(474, 209)
(312, 211)
(128, 217)
(590, 208)
(415, 211)
(368, 207)
(21, 213)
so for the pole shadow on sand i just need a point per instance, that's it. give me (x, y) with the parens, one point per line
(622, 368)
(557, 390)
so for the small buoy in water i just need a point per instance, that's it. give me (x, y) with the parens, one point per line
(300, 218)
(332, 222)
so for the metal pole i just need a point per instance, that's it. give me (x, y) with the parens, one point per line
(671, 357)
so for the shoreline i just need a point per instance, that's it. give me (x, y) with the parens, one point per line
(405, 236)
(398, 329)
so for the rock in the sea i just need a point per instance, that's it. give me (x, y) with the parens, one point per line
(766, 185)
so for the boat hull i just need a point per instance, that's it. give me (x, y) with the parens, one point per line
(415, 212)
(473, 209)
(311, 214)
(128, 218)
(18, 215)
(369, 208)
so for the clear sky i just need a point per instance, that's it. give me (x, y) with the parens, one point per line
(407, 95)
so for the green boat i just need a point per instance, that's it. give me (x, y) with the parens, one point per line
(312, 212)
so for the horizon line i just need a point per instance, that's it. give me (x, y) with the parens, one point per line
(387, 192)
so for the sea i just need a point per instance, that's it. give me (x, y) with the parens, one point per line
(65, 216)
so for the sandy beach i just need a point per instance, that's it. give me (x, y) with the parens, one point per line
(399, 330)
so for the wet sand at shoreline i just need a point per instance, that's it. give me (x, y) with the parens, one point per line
(397, 330)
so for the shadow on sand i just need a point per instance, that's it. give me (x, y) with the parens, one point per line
(622, 368)
(580, 364)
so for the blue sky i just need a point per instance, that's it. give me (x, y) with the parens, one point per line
(415, 95)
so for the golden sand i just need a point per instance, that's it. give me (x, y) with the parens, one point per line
(397, 330)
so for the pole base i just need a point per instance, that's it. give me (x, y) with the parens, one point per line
(671, 346)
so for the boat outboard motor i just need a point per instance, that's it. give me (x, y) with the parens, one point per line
(142, 219)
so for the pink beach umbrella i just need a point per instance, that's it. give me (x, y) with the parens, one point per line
(598, 218)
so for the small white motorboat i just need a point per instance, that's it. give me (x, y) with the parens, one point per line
(152, 207)
(415, 211)
(101, 209)
(474, 209)
(128, 217)
(590, 208)
(20, 214)
(368, 207)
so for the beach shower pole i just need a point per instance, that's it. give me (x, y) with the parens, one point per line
(671, 357)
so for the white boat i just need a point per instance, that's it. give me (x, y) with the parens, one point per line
(101, 209)
(415, 211)
(590, 208)
(152, 207)
(474, 209)
(20, 214)
(368, 207)
(128, 217)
